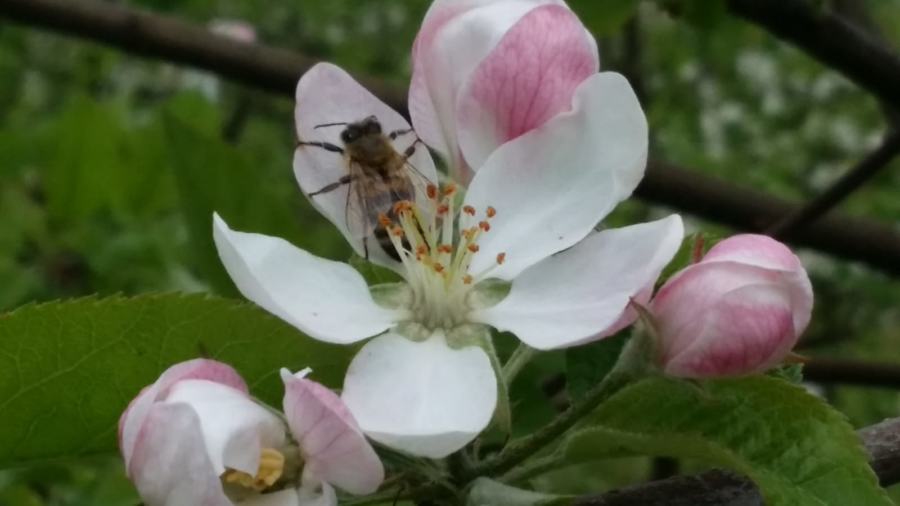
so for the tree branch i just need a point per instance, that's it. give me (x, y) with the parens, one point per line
(722, 488)
(852, 372)
(851, 238)
(839, 190)
(277, 70)
(829, 39)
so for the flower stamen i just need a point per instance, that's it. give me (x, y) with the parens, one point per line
(271, 467)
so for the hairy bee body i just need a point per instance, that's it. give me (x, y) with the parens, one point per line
(378, 176)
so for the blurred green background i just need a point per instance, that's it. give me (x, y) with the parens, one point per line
(110, 166)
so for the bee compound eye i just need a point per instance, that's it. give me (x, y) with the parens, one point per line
(348, 135)
(373, 126)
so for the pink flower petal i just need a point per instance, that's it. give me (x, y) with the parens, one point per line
(455, 37)
(680, 303)
(748, 331)
(754, 249)
(132, 419)
(528, 78)
(170, 448)
(334, 448)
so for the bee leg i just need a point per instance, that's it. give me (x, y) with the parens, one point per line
(411, 150)
(333, 186)
(327, 146)
(397, 133)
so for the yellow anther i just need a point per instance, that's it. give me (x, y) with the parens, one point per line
(467, 279)
(469, 210)
(383, 220)
(445, 248)
(484, 226)
(473, 248)
(271, 467)
(491, 212)
(449, 190)
(501, 257)
(431, 191)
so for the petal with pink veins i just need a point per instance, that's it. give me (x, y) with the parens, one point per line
(763, 251)
(551, 186)
(748, 331)
(423, 398)
(311, 293)
(327, 94)
(333, 447)
(579, 294)
(528, 78)
(454, 38)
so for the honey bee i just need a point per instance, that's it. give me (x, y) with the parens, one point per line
(378, 176)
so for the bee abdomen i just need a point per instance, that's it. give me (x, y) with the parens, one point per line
(384, 240)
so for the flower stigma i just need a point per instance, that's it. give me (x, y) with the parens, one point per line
(436, 254)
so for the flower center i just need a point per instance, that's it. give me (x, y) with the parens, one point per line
(437, 253)
(271, 467)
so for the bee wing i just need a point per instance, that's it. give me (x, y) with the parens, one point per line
(358, 212)
(420, 183)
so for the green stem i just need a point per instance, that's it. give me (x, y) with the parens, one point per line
(534, 467)
(517, 361)
(632, 365)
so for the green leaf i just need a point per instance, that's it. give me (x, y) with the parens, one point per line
(373, 274)
(212, 175)
(69, 369)
(796, 448)
(487, 492)
(607, 17)
(587, 365)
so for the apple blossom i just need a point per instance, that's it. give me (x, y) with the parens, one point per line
(738, 311)
(426, 384)
(487, 71)
(195, 436)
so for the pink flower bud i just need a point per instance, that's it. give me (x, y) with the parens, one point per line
(738, 311)
(196, 436)
(488, 71)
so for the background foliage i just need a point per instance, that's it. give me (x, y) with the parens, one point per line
(110, 167)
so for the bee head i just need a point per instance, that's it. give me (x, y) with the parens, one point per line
(354, 131)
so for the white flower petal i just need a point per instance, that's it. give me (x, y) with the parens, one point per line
(235, 428)
(552, 185)
(287, 497)
(327, 300)
(322, 494)
(132, 420)
(576, 295)
(423, 398)
(327, 94)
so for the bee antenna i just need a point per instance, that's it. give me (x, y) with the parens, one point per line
(330, 124)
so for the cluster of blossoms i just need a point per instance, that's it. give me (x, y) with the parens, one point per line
(543, 146)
